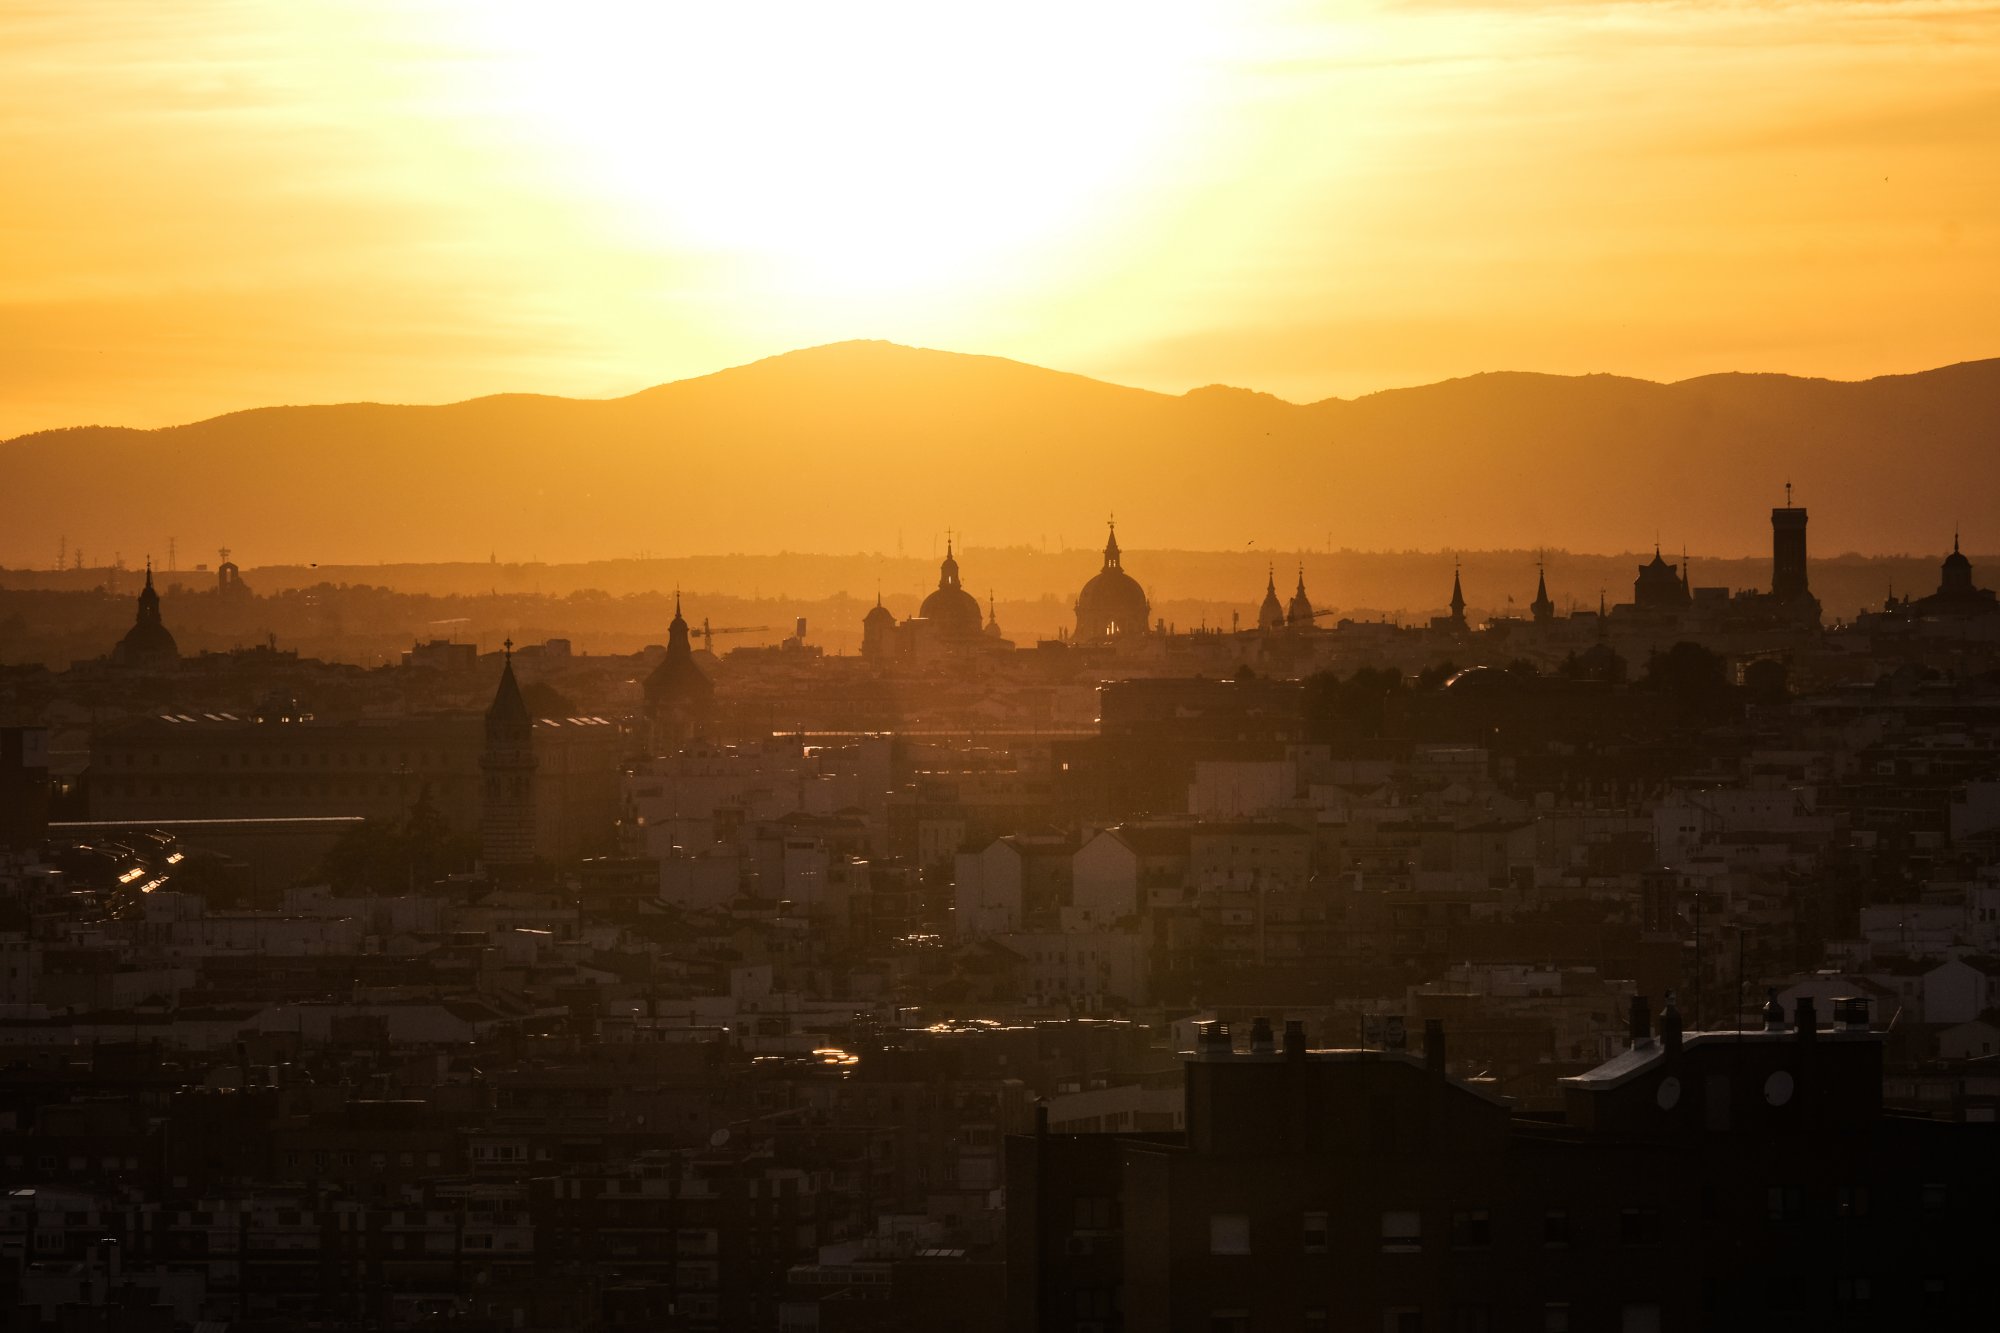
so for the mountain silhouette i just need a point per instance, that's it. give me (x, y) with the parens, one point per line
(861, 445)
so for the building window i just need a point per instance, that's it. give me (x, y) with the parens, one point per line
(1785, 1202)
(1639, 1319)
(1095, 1212)
(1555, 1317)
(1555, 1227)
(1402, 1232)
(1315, 1233)
(1093, 1305)
(1639, 1226)
(1934, 1197)
(1229, 1321)
(1472, 1228)
(1406, 1319)
(1471, 1319)
(1228, 1233)
(1852, 1290)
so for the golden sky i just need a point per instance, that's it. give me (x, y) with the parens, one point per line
(217, 204)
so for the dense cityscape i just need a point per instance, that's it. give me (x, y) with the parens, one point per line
(1625, 968)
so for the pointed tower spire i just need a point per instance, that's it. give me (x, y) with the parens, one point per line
(1271, 614)
(1542, 608)
(507, 768)
(1457, 595)
(1299, 615)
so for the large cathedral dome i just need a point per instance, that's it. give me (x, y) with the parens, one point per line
(952, 610)
(1112, 603)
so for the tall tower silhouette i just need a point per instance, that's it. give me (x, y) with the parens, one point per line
(679, 698)
(507, 809)
(1788, 551)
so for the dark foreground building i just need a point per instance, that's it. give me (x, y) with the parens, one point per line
(1714, 1181)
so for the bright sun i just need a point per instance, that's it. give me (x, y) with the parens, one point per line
(855, 148)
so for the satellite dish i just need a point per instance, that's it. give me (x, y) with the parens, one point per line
(717, 1139)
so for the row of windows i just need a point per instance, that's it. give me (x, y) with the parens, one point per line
(319, 1161)
(1633, 1317)
(247, 787)
(1402, 1230)
(325, 759)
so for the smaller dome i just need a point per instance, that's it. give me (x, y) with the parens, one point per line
(148, 642)
(1271, 615)
(1300, 612)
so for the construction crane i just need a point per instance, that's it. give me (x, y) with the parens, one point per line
(708, 634)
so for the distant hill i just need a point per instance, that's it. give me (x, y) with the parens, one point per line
(861, 446)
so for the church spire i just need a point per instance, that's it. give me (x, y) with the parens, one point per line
(1457, 595)
(507, 770)
(1271, 614)
(948, 571)
(1542, 608)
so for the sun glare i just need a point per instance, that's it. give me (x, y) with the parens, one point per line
(848, 149)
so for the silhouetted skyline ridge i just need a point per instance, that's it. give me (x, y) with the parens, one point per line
(857, 445)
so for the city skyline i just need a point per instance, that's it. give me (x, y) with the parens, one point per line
(1055, 668)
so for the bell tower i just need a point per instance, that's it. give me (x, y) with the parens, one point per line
(507, 768)
(1788, 551)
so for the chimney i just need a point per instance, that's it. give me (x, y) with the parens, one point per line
(1041, 1119)
(1434, 1045)
(1295, 1039)
(1262, 1041)
(1774, 1013)
(1670, 1027)
(1639, 1021)
(1806, 1020)
(1212, 1040)
(1850, 1013)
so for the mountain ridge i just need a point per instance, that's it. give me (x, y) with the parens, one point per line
(842, 446)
